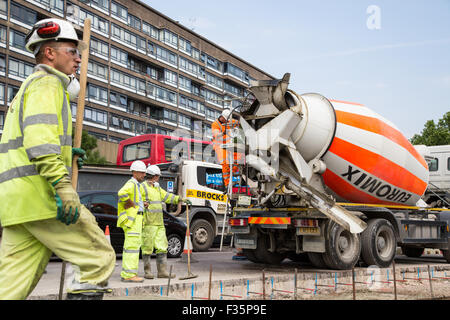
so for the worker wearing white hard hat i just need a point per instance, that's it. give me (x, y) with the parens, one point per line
(221, 129)
(130, 210)
(41, 212)
(154, 232)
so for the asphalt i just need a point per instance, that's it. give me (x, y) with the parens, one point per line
(224, 271)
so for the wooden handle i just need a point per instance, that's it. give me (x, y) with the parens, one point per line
(81, 99)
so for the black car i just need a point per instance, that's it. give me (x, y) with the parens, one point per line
(103, 205)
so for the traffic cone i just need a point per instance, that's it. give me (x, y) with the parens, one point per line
(108, 237)
(187, 249)
(239, 255)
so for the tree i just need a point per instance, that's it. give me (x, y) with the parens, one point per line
(434, 134)
(89, 143)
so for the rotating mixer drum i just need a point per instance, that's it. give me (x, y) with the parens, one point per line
(368, 160)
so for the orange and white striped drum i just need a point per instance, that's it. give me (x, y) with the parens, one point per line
(370, 161)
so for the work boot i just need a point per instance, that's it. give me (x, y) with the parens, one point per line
(85, 296)
(147, 267)
(132, 279)
(161, 265)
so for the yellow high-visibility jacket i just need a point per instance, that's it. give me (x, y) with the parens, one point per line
(38, 124)
(155, 196)
(130, 190)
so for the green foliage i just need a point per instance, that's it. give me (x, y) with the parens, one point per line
(89, 143)
(434, 134)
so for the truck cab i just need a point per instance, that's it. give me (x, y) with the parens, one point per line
(438, 191)
(200, 182)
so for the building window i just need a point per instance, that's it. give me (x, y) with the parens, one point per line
(170, 77)
(2, 93)
(95, 115)
(166, 55)
(3, 35)
(214, 98)
(4, 7)
(23, 14)
(185, 83)
(19, 68)
(57, 5)
(184, 121)
(237, 72)
(123, 79)
(102, 4)
(2, 120)
(12, 91)
(98, 70)
(97, 93)
(214, 81)
(119, 11)
(17, 39)
(170, 115)
(118, 100)
(78, 15)
(185, 46)
(119, 55)
(214, 63)
(150, 30)
(99, 47)
(134, 22)
(170, 38)
(166, 95)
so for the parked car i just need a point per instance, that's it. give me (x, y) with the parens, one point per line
(103, 205)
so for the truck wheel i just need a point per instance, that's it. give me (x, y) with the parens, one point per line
(202, 235)
(317, 260)
(378, 243)
(412, 252)
(263, 254)
(342, 248)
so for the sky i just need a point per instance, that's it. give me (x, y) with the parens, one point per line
(392, 56)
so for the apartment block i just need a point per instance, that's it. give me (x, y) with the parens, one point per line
(147, 73)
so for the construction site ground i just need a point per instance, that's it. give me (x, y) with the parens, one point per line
(243, 280)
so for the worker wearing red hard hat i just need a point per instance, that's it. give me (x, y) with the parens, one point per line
(41, 212)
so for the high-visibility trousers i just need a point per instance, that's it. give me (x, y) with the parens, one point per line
(131, 247)
(154, 239)
(226, 173)
(26, 249)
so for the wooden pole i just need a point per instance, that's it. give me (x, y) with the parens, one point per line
(79, 122)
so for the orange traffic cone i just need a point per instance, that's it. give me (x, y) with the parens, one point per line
(108, 237)
(187, 249)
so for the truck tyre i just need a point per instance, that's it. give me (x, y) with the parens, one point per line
(263, 254)
(412, 252)
(378, 243)
(317, 260)
(342, 248)
(202, 235)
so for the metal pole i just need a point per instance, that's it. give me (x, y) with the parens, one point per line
(295, 284)
(210, 278)
(431, 286)
(395, 281)
(168, 282)
(353, 284)
(264, 284)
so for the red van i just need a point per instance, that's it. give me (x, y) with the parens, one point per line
(159, 148)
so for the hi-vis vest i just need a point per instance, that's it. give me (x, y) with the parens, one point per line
(130, 190)
(38, 123)
(219, 134)
(155, 196)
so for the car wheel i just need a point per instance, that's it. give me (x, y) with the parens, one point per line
(175, 247)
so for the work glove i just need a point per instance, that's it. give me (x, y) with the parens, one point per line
(81, 156)
(67, 202)
(186, 201)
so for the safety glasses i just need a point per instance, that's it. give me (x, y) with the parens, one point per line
(72, 51)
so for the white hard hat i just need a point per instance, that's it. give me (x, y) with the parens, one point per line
(138, 165)
(153, 170)
(51, 29)
(226, 113)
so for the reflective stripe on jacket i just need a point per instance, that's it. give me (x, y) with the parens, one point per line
(38, 124)
(129, 191)
(155, 196)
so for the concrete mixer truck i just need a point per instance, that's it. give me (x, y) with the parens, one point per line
(333, 180)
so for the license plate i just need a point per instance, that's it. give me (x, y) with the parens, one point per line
(308, 231)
